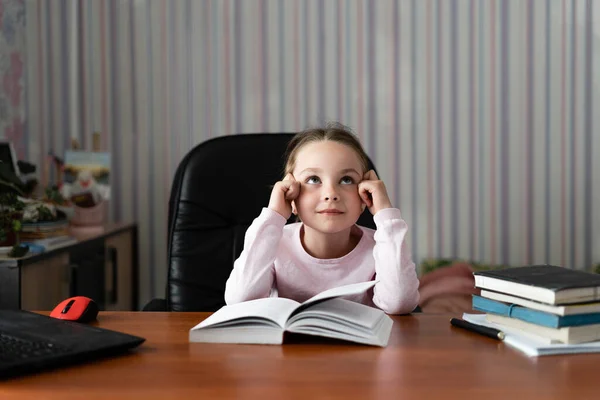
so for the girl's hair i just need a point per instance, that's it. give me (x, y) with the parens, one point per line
(333, 131)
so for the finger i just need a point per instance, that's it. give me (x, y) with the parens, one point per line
(286, 185)
(364, 194)
(367, 199)
(293, 191)
(371, 175)
(289, 177)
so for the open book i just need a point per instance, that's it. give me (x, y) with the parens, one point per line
(264, 321)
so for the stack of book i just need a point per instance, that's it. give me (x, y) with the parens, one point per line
(44, 229)
(550, 303)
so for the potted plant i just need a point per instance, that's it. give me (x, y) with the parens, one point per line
(11, 214)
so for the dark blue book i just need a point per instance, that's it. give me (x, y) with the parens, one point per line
(533, 316)
(544, 283)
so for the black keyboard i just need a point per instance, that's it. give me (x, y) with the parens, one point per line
(13, 348)
(31, 342)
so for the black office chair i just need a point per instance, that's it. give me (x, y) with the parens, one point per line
(219, 188)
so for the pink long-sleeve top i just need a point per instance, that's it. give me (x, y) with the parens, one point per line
(274, 263)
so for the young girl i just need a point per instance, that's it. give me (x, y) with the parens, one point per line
(327, 185)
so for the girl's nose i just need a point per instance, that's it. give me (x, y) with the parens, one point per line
(330, 192)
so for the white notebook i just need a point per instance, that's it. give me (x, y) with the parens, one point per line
(533, 345)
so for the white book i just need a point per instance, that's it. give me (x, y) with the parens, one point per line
(563, 310)
(543, 283)
(567, 334)
(264, 321)
(532, 345)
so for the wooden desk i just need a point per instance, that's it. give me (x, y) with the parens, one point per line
(425, 359)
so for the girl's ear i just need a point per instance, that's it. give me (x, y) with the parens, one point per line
(363, 206)
(294, 211)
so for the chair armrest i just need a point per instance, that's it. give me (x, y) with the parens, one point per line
(156, 305)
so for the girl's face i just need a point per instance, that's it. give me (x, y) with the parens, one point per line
(328, 173)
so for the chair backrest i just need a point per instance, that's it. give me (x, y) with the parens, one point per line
(219, 188)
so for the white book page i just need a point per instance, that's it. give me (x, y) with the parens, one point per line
(374, 340)
(514, 288)
(533, 345)
(347, 290)
(571, 309)
(378, 335)
(558, 310)
(248, 335)
(274, 309)
(346, 315)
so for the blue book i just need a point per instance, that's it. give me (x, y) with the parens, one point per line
(534, 316)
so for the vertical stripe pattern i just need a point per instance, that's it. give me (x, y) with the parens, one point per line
(481, 116)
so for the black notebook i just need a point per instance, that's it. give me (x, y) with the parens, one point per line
(544, 283)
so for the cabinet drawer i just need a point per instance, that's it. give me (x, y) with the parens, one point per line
(119, 272)
(45, 283)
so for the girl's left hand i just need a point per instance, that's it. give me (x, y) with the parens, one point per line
(373, 193)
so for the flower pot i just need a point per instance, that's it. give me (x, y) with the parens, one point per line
(89, 216)
(11, 238)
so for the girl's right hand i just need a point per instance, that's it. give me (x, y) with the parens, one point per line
(282, 195)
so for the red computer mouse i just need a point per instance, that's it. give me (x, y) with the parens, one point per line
(78, 308)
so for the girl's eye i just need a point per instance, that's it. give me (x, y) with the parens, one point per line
(346, 180)
(313, 180)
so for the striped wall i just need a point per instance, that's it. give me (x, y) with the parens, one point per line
(481, 116)
(12, 74)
